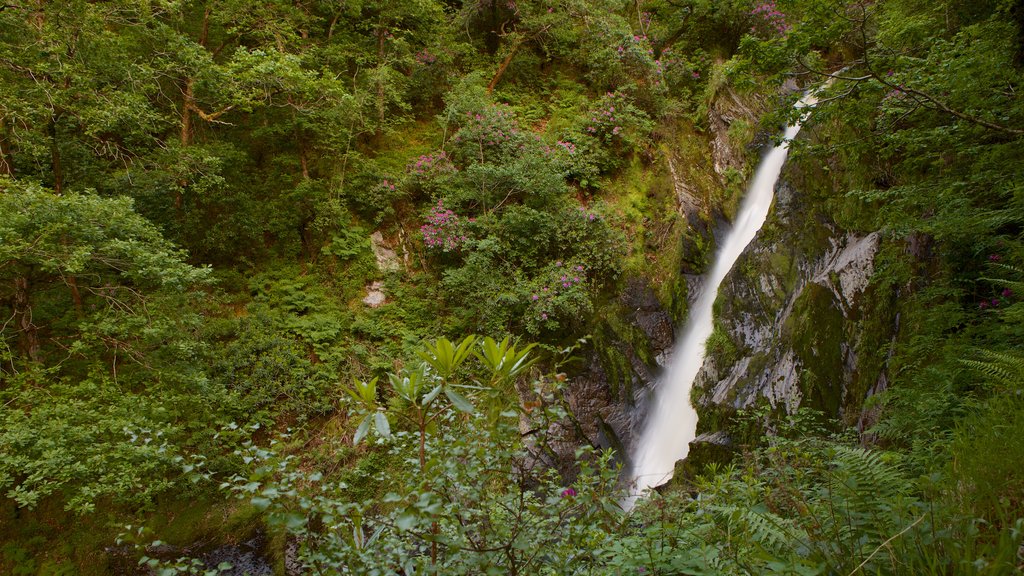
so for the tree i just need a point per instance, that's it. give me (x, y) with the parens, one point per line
(101, 368)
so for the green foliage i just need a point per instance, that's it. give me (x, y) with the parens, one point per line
(476, 520)
(808, 506)
(100, 364)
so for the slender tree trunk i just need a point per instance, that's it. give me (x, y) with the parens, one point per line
(304, 162)
(380, 81)
(188, 95)
(29, 337)
(503, 66)
(186, 113)
(187, 106)
(55, 161)
(6, 165)
(76, 296)
(493, 36)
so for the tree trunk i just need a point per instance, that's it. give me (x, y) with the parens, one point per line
(186, 113)
(188, 96)
(6, 166)
(76, 296)
(29, 333)
(380, 81)
(55, 163)
(503, 66)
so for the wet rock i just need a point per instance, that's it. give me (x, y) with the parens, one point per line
(247, 558)
(727, 108)
(709, 448)
(647, 314)
(791, 307)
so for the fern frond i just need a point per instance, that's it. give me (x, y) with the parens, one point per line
(863, 478)
(1003, 369)
(759, 526)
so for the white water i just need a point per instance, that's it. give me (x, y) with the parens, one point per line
(672, 421)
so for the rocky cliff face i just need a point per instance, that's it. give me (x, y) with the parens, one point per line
(790, 319)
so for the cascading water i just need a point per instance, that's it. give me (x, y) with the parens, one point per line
(672, 420)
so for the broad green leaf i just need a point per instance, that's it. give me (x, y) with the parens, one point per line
(432, 395)
(382, 425)
(405, 521)
(459, 401)
(363, 428)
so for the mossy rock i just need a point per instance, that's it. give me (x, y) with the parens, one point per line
(816, 332)
(707, 450)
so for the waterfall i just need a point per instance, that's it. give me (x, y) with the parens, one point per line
(672, 420)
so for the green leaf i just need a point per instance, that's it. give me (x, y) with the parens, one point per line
(261, 503)
(405, 521)
(432, 395)
(382, 425)
(459, 401)
(294, 521)
(364, 427)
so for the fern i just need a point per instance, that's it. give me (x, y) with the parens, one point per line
(1004, 370)
(866, 473)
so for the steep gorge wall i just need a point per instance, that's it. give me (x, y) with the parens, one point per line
(636, 330)
(799, 322)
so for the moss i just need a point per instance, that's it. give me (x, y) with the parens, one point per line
(48, 540)
(702, 456)
(816, 332)
(617, 367)
(875, 329)
(721, 347)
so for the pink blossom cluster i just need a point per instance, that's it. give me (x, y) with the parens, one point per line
(431, 164)
(589, 216)
(560, 280)
(559, 147)
(425, 57)
(386, 185)
(604, 121)
(443, 230)
(494, 125)
(1006, 294)
(636, 45)
(769, 18)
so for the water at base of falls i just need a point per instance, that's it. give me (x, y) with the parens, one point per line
(672, 421)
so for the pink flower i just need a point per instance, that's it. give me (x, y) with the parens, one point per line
(568, 493)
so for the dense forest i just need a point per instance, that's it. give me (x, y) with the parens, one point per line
(379, 287)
